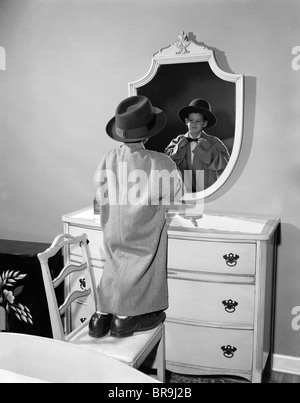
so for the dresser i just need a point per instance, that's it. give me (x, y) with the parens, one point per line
(221, 291)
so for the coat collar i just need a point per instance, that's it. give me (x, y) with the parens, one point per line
(134, 146)
(202, 134)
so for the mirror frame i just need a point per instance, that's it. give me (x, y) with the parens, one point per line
(185, 50)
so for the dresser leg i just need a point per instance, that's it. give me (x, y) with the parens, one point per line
(257, 377)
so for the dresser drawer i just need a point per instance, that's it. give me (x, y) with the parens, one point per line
(209, 347)
(83, 308)
(219, 303)
(95, 245)
(77, 280)
(218, 257)
(80, 312)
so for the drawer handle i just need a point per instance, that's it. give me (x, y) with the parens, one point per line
(82, 320)
(228, 351)
(230, 305)
(82, 283)
(231, 259)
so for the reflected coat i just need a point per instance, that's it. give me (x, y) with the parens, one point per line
(210, 156)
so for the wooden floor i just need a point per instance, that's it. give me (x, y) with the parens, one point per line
(274, 377)
(279, 377)
(268, 377)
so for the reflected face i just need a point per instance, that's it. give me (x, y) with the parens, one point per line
(195, 123)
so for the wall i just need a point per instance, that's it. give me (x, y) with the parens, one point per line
(68, 63)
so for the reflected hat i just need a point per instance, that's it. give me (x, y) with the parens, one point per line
(198, 106)
(136, 120)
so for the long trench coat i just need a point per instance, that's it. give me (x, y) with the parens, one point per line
(210, 157)
(132, 217)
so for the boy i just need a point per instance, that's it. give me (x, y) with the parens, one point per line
(133, 289)
(197, 151)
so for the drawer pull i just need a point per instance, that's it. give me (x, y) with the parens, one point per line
(228, 351)
(82, 320)
(82, 283)
(230, 305)
(231, 259)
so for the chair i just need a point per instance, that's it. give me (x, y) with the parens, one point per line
(133, 350)
(25, 358)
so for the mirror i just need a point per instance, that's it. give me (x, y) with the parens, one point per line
(185, 71)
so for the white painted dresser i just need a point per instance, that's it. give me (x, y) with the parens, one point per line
(221, 281)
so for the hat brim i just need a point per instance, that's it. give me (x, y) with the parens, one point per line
(160, 121)
(209, 116)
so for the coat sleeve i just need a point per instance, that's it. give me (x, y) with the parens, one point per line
(105, 182)
(167, 186)
(213, 154)
(176, 150)
(177, 187)
(99, 178)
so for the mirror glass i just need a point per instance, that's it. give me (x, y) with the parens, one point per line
(179, 74)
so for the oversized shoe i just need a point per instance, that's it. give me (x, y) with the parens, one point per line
(124, 327)
(99, 324)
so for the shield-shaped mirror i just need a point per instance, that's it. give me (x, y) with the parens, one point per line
(179, 74)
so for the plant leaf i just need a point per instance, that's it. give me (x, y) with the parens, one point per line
(24, 318)
(18, 290)
(21, 276)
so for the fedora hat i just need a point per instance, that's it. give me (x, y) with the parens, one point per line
(198, 106)
(136, 120)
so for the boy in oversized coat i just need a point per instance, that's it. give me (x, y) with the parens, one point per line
(197, 151)
(135, 187)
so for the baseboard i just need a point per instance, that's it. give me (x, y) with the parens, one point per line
(286, 364)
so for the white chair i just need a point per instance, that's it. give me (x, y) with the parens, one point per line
(133, 350)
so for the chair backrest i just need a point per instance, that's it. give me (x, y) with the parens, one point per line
(64, 242)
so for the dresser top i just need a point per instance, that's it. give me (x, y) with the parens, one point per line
(214, 226)
(21, 248)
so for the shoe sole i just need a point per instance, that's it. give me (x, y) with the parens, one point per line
(98, 335)
(139, 329)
